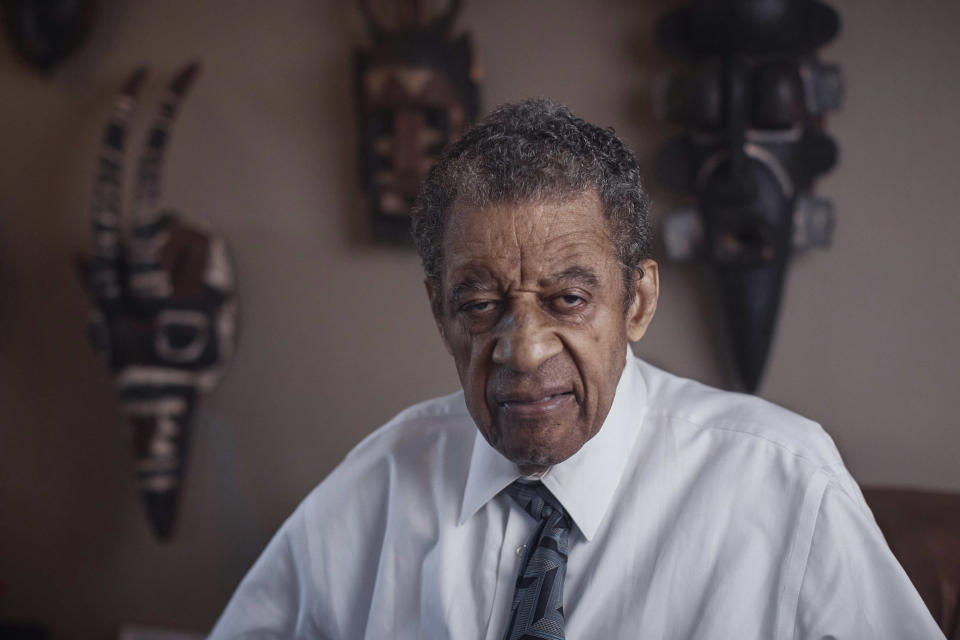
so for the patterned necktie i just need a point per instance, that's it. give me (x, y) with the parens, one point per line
(537, 609)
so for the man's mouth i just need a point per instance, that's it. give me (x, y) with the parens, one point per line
(535, 405)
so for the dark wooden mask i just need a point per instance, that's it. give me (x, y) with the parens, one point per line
(46, 32)
(752, 99)
(416, 91)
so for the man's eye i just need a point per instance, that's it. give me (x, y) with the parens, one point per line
(568, 302)
(479, 306)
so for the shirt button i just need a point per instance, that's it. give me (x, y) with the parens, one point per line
(520, 550)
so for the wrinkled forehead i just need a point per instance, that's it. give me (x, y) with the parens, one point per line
(518, 240)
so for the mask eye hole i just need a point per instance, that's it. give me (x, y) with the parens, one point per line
(181, 336)
(436, 117)
(748, 244)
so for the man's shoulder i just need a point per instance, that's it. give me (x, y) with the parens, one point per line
(418, 424)
(697, 410)
(408, 450)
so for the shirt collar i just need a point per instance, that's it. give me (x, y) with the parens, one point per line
(585, 482)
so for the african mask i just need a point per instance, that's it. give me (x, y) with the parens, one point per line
(165, 314)
(752, 99)
(416, 92)
(45, 32)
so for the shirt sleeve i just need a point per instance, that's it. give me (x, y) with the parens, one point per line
(853, 587)
(274, 599)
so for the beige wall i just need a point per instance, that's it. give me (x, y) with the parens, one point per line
(336, 333)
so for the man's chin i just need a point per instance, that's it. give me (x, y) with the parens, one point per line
(537, 453)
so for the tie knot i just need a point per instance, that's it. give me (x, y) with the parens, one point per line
(535, 499)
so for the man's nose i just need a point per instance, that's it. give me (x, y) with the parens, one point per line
(526, 339)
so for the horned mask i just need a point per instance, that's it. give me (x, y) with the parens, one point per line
(165, 310)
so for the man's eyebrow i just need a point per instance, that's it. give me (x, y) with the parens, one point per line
(580, 275)
(469, 285)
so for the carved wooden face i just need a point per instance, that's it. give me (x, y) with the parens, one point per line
(411, 113)
(165, 309)
(48, 32)
(416, 94)
(753, 104)
(164, 353)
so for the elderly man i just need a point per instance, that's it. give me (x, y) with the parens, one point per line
(570, 490)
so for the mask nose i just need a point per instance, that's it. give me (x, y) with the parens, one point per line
(526, 339)
(160, 447)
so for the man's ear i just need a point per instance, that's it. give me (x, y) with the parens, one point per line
(436, 307)
(644, 305)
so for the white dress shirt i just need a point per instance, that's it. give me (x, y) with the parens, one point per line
(697, 513)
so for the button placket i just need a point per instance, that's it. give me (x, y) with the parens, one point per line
(514, 543)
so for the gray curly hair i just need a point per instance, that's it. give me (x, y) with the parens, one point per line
(530, 151)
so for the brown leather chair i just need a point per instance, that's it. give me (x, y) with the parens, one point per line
(923, 531)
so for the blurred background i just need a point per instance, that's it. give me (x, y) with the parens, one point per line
(336, 335)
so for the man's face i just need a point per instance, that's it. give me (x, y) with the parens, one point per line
(532, 310)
